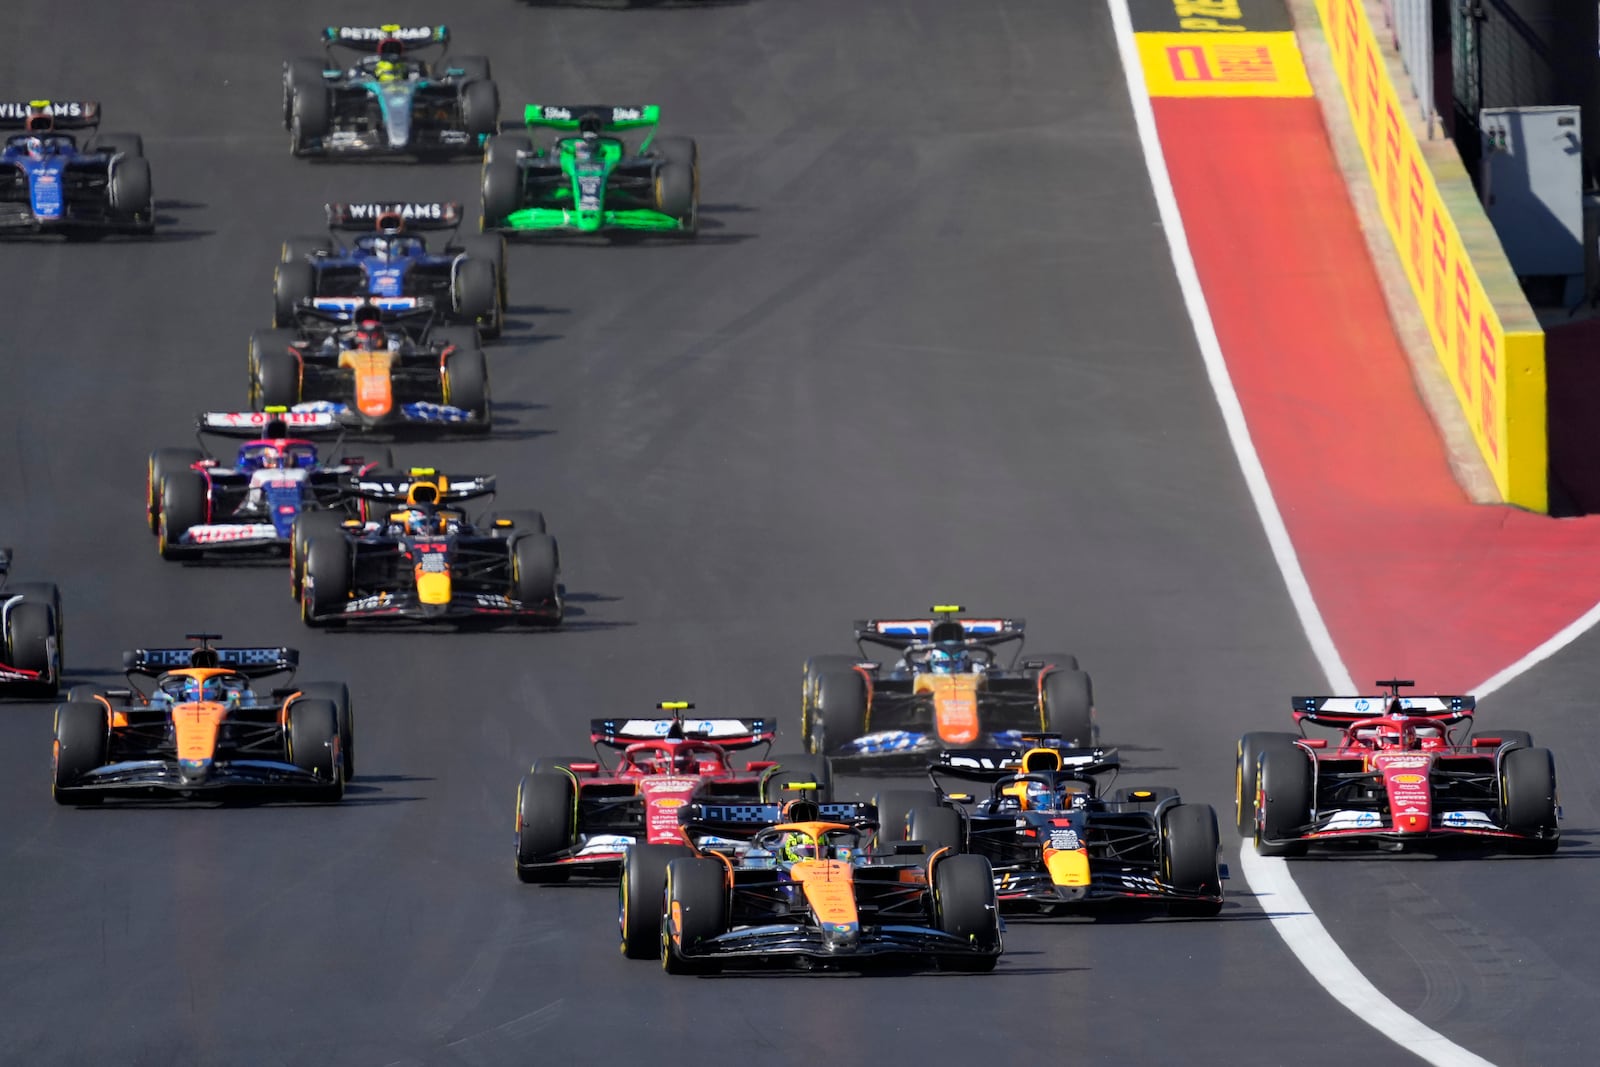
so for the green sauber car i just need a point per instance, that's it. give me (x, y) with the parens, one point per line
(575, 174)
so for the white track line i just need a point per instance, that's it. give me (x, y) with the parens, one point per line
(1269, 878)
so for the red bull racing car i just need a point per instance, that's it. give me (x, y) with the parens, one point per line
(1402, 772)
(579, 815)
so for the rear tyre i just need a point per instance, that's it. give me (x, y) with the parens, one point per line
(292, 283)
(894, 812)
(1528, 797)
(1190, 843)
(338, 694)
(640, 892)
(165, 462)
(678, 181)
(480, 107)
(274, 370)
(466, 386)
(308, 525)
(800, 768)
(1068, 698)
(696, 910)
(30, 645)
(546, 803)
(313, 735)
(937, 827)
(81, 741)
(502, 180)
(326, 580)
(185, 502)
(536, 573)
(1246, 759)
(838, 712)
(966, 907)
(1284, 777)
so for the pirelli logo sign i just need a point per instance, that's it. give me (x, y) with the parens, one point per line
(1218, 48)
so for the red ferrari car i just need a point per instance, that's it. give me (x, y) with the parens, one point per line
(1403, 772)
(581, 814)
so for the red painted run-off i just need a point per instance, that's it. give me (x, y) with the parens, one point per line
(1413, 580)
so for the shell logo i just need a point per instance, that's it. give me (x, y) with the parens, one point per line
(1409, 779)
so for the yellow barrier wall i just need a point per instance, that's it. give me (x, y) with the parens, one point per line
(1499, 376)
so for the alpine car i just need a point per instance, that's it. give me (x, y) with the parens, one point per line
(1403, 773)
(31, 627)
(1057, 840)
(196, 503)
(51, 183)
(372, 372)
(388, 101)
(197, 722)
(578, 815)
(950, 688)
(760, 883)
(424, 560)
(579, 177)
(388, 265)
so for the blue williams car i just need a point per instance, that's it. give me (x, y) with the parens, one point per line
(388, 102)
(50, 183)
(388, 265)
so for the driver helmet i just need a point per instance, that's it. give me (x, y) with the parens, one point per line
(949, 661)
(388, 70)
(796, 847)
(1040, 797)
(36, 147)
(369, 335)
(269, 458)
(1392, 736)
(196, 690)
(414, 521)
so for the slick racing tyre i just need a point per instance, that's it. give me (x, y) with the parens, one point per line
(308, 525)
(1284, 780)
(1528, 797)
(293, 283)
(696, 911)
(838, 712)
(1247, 759)
(129, 191)
(475, 293)
(639, 892)
(274, 370)
(163, 463)
(678, 181)
(937, 827)
(31, 644)
(313, 735)
(308, 114)
(326, 580)
(1189, 844)
(545, 809)
(338, 694)
(300, 73)
(491, 248)
(966, 907)
(466, 386)
(185, 504)
(480, 107)
(80, 746)
(799, 769)
(536, 573)
(502, 179)
(1068, 707)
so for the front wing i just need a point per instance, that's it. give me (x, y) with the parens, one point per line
(158, 777)
(757, 943)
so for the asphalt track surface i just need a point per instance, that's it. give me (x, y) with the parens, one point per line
(927, 349)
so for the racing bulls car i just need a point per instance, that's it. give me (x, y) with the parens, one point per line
(424, 560)
(388, 265)
(50, 183)
(1403, 772)
(31, 627)
(760, 882)
(388, 101)
(581, 178)
(196, 722)
(1056, 839)
(198, 504)
(371, 372)
(578, 815)
(949, 689)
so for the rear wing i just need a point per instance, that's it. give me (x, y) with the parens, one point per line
(903, 633)
(610, 118)
(744, 820)
(992, 764)
(394, 217)
(370, 37)
(729, 733)
(1342, 711)
(451, 487)
(50, 114)
(251, 662)
(267, 423)
(317, 315)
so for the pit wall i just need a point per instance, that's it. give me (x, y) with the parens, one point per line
(1484, 333)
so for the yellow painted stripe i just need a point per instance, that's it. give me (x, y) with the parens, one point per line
(1223, 64)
